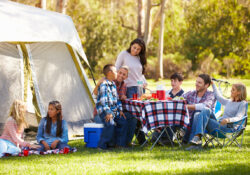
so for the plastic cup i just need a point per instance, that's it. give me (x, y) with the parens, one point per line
(65, 150)
(25, 152)
(154, 95)
(134, 96)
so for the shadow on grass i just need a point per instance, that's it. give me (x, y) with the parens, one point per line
(230, 169)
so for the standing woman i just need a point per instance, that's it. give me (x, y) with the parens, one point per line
(11, 139)
(52, 130)
(135, 58)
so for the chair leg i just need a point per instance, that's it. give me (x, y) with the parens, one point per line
(232, 140)
(209, 139)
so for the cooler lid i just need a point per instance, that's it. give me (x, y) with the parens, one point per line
(93, 125)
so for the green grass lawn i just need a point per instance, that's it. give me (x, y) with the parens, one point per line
(161, 160)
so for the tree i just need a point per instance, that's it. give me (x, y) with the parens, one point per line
(61, 6)
(218, 25)
(161, 41)
(144, 15)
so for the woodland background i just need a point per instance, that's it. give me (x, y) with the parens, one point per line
(187, 36)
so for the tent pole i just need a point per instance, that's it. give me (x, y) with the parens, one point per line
(92, 75)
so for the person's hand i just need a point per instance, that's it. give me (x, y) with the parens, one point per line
(32, 146)
(145, 85)
(224, 121)
(54, 144)
(95, 91)
(123, 97)
(46, 146)
(158, 130)
(122, 114)
(108, 117)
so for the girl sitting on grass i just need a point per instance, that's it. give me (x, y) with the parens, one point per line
(52, 130)
(11, 140)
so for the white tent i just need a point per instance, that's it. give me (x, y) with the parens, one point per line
(40, 53)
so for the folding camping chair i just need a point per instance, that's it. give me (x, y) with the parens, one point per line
(217, 109)
(231, 137)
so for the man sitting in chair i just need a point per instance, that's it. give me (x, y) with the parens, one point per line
(199, 99)
(234, 111)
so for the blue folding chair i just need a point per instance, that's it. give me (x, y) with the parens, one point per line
(231, 137)
(218, 109)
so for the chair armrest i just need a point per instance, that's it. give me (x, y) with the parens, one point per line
(239, 121)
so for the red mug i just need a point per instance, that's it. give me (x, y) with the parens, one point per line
(135, 97)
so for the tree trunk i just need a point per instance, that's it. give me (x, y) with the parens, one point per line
(43, 4)
(147, 23)
(141, 18)
(139, 32)
(161, 40)
(61, 6)
(144, 28)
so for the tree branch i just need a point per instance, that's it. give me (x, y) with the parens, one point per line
(125, 26)
(155, 5)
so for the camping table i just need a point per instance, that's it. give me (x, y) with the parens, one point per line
(156, 114)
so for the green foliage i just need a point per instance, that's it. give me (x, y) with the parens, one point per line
(220, 26)
(211, 35)
(175, 26)
(171, 63)
(176, 63)
(208, 64)
(101, 32)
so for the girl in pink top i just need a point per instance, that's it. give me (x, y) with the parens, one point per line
(11, 138)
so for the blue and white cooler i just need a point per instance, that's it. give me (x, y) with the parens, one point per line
(92, 134)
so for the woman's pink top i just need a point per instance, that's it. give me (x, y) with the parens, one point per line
(10, 133)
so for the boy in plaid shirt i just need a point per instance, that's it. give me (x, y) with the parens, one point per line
(121, 139)
(108, 106)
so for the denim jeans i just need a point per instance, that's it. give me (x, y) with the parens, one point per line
(140, 134)
(58, 146)
(206, 121)
(7, 146)
(131, 122)
(108, 133)
(127, 126)
(188, 131)
(130, 91)
(121, 131)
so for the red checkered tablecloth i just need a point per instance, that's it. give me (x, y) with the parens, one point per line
(154, 114)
